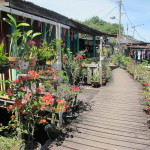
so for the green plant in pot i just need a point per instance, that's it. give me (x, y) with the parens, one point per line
(96, 79)
(47, 52)
(4, 64)
(14, 38)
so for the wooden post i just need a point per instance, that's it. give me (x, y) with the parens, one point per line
(78, 43)
(94, 46)
(100, 62)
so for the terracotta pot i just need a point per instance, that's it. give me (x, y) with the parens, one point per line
(32, 63)
(14, 62)
(24, 64)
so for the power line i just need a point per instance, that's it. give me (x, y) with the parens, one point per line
(101, 11)
(132, 24)
(109, 12)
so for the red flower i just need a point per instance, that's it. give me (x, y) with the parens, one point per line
(33, 74)
(79, 57)
(10, 92)
(39, 90)
(43, 121)
(63, 44)
(17, 81)
(48, 99)
(75, 88)
(148, 107)
(10, 107)
(31, 43)
(26, 78)
(51, 69)
(21, 88)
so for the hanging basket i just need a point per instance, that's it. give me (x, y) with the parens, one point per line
(32, 63)
(4, 68)
(24, 64)
(14, 62)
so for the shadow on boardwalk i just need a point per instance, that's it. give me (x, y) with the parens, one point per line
(116, 121)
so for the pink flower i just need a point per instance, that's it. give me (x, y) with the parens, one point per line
(55, 76)
(31, 43)
(43, 108)
(24, 101)
(79, 57)
(146, 84)
(75, 88)
(80, 64)
(39, 90)
(82, 82)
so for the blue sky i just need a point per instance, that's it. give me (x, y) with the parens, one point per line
(138, 11)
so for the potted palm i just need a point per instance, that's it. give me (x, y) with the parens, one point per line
(4, 64)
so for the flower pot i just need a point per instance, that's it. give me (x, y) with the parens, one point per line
(41, 62)
(95, 84)
(32, 63)
(104, 81)
(14, 62)
(24, 64)
(30, 146)
(4, 68)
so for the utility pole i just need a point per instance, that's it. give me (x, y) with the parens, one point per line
(120, 13)
(135, 27)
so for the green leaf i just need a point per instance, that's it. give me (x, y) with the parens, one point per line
(9, 22)
(22, 24)
(29, 32)
(36, 34)
(12, 19)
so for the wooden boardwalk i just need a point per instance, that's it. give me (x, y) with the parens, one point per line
(116, 121)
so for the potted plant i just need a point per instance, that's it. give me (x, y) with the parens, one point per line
(28, 49)
(46, 52)
(14, 37)
(4, 64)
(95, 79)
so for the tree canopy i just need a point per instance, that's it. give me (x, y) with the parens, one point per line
(103, 26)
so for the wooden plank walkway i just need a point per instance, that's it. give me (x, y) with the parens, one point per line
(116, 121)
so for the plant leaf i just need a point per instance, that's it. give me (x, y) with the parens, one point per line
(22, 24)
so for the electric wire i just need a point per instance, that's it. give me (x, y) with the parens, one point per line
(132, 24)
(100, 11)
(104, 17)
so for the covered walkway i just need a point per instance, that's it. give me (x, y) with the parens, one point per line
(116, 121)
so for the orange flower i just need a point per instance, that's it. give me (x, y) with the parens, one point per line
(43, 121)
(13, 116)
(57, 109)
(33, 74)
